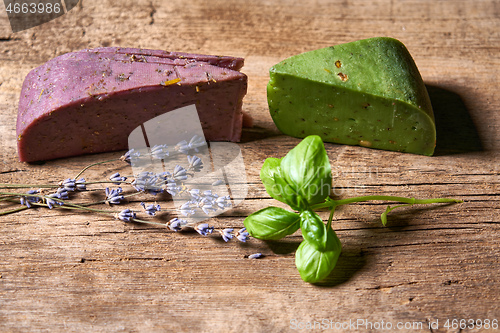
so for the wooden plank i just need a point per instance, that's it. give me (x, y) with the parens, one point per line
(86, 272)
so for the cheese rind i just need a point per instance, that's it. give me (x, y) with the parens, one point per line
(90, 101)
(366, 93)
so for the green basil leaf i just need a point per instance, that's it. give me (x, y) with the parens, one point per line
(314, 265)
(306, 169)
(277, 187)
(314, 230)
(272, 223)
(268, 174)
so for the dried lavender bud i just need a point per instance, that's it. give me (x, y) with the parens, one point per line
(223, 202)
(255, 256)
(51, 203)
(195, 143)
(80, 185)
(114, 196)
(148, 182)
(203, 229)
(26, 200)
(127, 157)
(186, 209)
(159, 152)
(242, 235)
(207, 208)
(68, 184)
(195, 194)
(172, 188)
(195, 163)
(117, 178)
(176, 224)
(183, 147)
(151, 209)
(62, 193)
(227, 234)
(126, 215)
(209, 195)
(180, 173)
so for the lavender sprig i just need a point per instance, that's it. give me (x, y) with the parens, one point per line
(197, 201)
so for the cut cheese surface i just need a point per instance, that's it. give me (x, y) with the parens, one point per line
(367, 93)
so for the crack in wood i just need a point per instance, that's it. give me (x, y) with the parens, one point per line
(84, 260)
(10, 171)
(380, 287)
(152, 13)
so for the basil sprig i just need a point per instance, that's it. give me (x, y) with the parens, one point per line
(303, 180)
(300, 179)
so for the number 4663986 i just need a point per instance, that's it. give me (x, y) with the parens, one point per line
(471, 324)
(33, 8)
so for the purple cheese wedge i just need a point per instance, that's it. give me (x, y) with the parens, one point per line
(181, 58)
(89, 101)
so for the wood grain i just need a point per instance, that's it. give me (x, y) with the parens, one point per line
(85, 272)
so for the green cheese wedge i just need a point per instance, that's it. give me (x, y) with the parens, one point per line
(368, 93)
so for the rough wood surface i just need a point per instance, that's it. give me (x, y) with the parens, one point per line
(83, 272)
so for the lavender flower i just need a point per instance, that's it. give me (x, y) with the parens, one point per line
(172, 187)
(223, 202)
(148, 182)
(176, 224)
(186, 209)
(208, 195)
(117, 178)
(179, 173)
(68, 184)
(80, 184)
(151, 209)
(195, 194)
(62, 193)
(195, 163)
(183, 147)
(26, 200)
(255, 256)
(242, 235)
(207, 201)
(203, 229)
(127, 157)
(114, 196)
(227, 234)
(159, 152)
(126, 215)
(51, 203)
(207, 208)
(195, 143)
